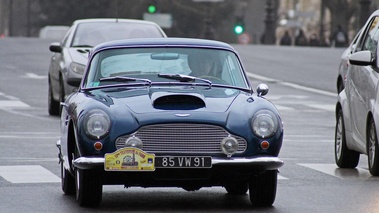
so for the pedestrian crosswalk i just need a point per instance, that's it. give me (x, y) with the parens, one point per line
(19, 174)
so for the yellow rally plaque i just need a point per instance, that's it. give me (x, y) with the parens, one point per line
(129, 159)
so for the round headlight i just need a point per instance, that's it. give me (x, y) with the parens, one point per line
(97, 124)
(264, 123)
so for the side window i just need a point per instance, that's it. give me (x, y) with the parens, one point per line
(372, 36)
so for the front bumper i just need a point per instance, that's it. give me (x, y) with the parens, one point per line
(257, 163)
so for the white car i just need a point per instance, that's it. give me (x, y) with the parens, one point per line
(357, 109)
(71, 55)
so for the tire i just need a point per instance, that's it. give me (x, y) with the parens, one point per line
(237, 188)
(53, 105)
(344, 157)
(89, 188)
(262, 188)
(372, 149)
(68, 181)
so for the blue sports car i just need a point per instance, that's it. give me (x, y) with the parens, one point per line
(168, 112)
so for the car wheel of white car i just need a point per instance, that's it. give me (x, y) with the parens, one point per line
(68, 181)
(372, 149)
(89, 188)
(53, 105)
(344, 157)
(237, 188)
(262, 188)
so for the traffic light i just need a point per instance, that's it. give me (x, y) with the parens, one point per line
(239, 26)
(152, 8)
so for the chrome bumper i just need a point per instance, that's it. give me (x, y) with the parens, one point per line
(264, 163)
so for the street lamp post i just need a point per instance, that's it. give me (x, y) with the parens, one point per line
(269, 33)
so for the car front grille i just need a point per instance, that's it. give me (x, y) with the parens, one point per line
(182, 138)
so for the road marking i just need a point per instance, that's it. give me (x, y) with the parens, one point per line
(333, 170)
(28, 174)
(34, 76)
(327, 107)
(6, 104)
(296, 86)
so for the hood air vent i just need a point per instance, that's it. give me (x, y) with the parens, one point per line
(179, 102)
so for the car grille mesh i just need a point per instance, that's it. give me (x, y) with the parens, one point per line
(182, 138)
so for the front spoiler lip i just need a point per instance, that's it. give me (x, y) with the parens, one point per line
(263, 163)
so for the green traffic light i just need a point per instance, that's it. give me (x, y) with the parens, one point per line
(152, 9)
(238, 29)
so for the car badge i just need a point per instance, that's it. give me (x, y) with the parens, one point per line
(182, 115)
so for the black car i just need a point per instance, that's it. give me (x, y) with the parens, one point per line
(169, 112)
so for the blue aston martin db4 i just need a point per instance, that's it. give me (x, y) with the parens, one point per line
(168, 112)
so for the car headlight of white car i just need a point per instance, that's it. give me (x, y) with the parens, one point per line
(264, 123)
(97, 123)
(77, 68)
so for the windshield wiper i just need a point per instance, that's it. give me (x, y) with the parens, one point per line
(124, 79)
(184, 78)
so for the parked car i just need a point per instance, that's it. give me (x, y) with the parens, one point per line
(169, 112)
(70, 56)
(357, 107)
(344, 63)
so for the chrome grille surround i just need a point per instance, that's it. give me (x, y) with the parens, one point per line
(182, 138)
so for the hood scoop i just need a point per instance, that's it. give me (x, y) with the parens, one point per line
(179, 102)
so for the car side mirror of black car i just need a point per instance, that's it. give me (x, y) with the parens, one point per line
(262, 89)
(75, 82)
(55, 47)
(362, 58)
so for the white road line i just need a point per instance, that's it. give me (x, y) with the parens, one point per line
(28, 174)
(327, 107)
(296, 86)
(332, 169)
(6, 104)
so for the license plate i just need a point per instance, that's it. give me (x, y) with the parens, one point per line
(183, 162)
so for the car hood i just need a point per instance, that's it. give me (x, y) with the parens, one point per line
(79, 55)
(162, 99)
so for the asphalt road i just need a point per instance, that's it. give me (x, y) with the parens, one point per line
(301, 82)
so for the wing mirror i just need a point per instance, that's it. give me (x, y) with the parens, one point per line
(262, 90)
(361, 58)
(55, 47)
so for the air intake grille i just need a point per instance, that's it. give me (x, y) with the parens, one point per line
(182, 138)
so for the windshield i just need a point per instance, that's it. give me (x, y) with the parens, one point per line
(91, 34)
(131, 65)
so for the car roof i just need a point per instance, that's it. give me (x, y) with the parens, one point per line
(96, 20)
(163, 42)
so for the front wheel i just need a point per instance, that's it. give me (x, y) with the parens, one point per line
(372, 149)
(262, 188)
(344, 157)
(89, 188)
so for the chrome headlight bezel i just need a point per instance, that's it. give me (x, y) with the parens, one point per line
(264, 123)
(96, 124)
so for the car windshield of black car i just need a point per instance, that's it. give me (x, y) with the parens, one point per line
(215, 65)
